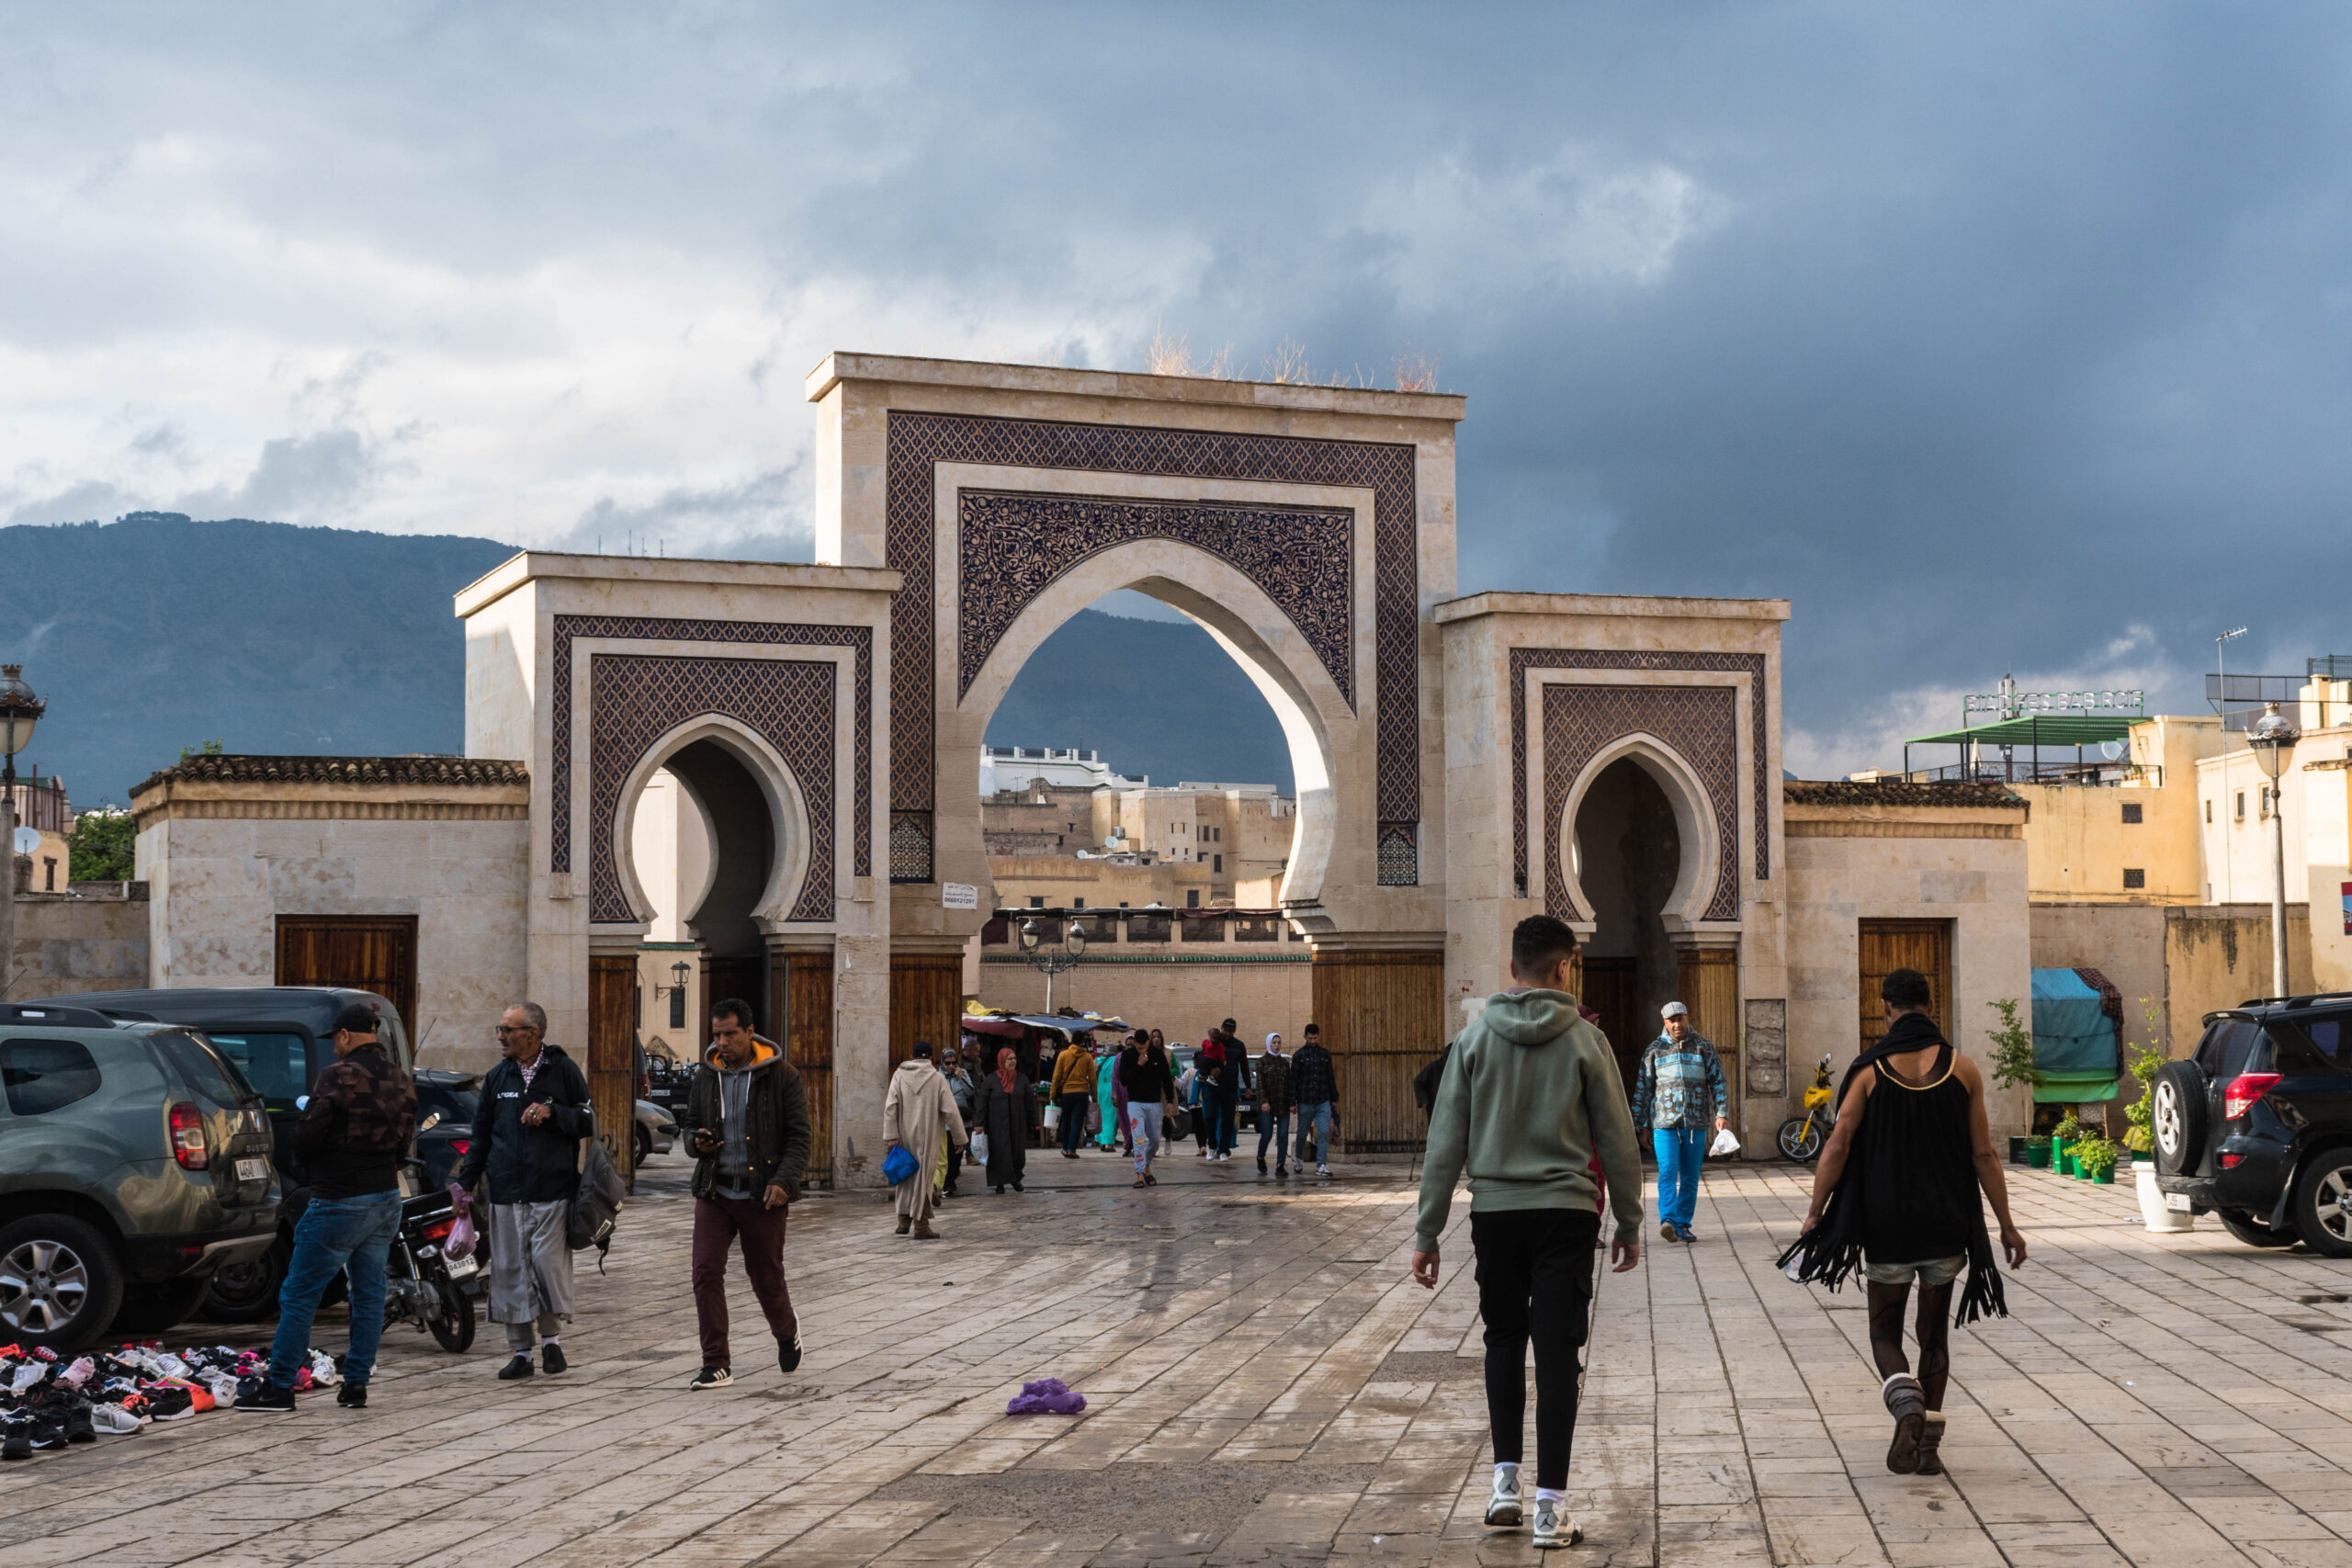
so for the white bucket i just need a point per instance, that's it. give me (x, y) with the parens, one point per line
(2151, 1205)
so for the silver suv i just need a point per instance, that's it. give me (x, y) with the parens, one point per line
(134, 1161)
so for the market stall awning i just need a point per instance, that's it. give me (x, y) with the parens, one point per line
(2037, 730)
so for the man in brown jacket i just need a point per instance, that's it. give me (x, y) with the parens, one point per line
(746, 1120)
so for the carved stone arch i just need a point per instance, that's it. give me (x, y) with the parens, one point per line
(1696, 877)
(1254, 631)
(789, 818)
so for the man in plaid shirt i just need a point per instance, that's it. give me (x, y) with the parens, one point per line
(1680, 1081)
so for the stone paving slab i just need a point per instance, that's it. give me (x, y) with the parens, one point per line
(1265, 1386)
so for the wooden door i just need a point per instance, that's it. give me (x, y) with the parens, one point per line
(801, 995)
(1612, 988)
(366, 953)
(1889, 945)
(926, 1002)
(1709, 983)
(735, 979)
(1383, 1018)
(612, 1056)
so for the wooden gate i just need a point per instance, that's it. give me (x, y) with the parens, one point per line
(1383, 1018)
(801, 995)
(1889, 945)
(366, 952)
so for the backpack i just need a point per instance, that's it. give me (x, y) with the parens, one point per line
(596, 1206)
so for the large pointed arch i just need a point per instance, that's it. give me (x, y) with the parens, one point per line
(1694, 823)
(791, 838)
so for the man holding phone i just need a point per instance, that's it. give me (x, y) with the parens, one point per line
(746, 1120)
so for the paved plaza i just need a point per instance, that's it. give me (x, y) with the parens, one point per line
(1264, 1385)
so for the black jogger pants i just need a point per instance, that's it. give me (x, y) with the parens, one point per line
(1534, 1282)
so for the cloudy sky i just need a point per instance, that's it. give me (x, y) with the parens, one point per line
(2000, 338)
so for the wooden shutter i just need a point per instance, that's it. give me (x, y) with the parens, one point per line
(1383, 1018)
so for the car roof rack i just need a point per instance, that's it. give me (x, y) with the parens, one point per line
(2300, 1001)
(51, 1016)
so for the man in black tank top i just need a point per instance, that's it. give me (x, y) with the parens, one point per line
(1896, 1193)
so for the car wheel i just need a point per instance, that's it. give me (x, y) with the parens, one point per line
(60, 1283)
(2253, 1232)
(2178, 1118)
(641, 1148)
(151, 1309)
(2323, 1206)
(248, 1291)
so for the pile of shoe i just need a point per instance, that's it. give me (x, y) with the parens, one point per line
(50, 1402)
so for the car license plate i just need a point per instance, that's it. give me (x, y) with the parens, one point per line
(2177, 1202)
(253, 1170)
(462, 1268)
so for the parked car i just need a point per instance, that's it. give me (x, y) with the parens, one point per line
(279, 1037)
(2256, 1127)
(656, 1130)
(134, 1166)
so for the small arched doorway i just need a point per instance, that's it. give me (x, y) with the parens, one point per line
(742, 860)
(1627, 859)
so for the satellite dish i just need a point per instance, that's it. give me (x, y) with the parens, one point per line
(2111, 750)
(27, 840)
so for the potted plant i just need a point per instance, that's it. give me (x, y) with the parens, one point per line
(2012, 1049)
(2140, 1136)
(2096, 1157)
(2063, 1140)
(2037, 1151)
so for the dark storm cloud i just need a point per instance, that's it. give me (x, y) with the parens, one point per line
(1996, 337)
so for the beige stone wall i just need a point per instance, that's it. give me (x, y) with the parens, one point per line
(2219, 955)
(1184, 998)
(220, 883)
(69, 943)
(2327, 860)
(1063, 882)
(1839, 876)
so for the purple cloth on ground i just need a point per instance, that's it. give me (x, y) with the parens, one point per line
(1047, 1397)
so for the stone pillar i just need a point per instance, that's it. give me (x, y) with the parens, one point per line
(861, 1056)
(1382, 1013)
(801, 999)
(612, 1049)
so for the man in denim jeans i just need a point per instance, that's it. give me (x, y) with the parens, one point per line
(359, 1121)
(1682, 1081)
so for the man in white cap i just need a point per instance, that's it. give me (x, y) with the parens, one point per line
(1680, 1082)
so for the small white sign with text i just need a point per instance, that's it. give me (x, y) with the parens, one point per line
(958, 895)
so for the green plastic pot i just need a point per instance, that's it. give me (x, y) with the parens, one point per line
(2106, 1177)
(2038, 1155)
(2065, 1162)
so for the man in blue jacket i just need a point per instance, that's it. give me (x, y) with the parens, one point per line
(534, 1110)
(1681, 1086)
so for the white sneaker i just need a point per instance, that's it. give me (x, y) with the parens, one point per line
(113, 1420)
(324, 1373)
(1322, 1170)
(1502, 1507)
(1553, 1526)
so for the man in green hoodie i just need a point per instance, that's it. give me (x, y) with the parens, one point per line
(1530, 1094)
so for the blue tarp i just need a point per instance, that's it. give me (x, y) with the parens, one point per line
(2072, 1033)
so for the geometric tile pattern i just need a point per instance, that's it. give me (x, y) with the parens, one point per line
(1013, 547)
(659, 628)
(1701, 725)
(635, 698)
(1525, 659)
(918, 442)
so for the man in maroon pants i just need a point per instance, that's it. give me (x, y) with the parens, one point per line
(746, 1120)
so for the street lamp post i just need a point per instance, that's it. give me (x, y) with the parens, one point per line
(1047, 960)
(18, 709)
(2273, 740)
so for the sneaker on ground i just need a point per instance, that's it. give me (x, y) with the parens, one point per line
(258, 1396)
(79, 1428)
(712, 1377)
(1553, 1526)
(1666, 1233)
(17, 1436)
(788, 1353)
(114, 1421)
(551, 1360)
(352, 1396)
(1503, 1505)
(172, 1402)
(324, 1370)
(520, 1367)
(1322, 1170)
(1682, 1232)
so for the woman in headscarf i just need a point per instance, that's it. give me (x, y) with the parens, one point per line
(1005, 1109)
(1107, 1098)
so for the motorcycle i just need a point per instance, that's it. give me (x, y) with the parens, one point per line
(1801, 1137)
(422, 1285)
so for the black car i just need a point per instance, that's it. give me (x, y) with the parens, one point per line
(446, 1103)
(2256, 1126)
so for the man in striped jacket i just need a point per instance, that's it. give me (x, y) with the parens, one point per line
(1680, 1082)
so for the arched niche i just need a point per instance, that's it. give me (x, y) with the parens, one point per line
(758, 817)
(1694, 826)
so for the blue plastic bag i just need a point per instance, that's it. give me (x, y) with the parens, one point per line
(899, 1165)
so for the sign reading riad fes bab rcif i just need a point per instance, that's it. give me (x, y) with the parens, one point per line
(958, 895)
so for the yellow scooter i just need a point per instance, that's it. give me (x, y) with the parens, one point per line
(1801, 1137)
